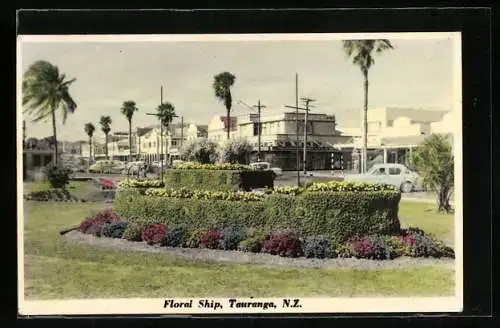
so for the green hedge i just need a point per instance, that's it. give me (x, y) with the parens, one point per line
(337, 214)
(220, 180)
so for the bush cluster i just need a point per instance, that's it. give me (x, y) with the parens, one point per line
(210, 239)
(57, 175)
(133, 232)
(154, 233)
(174, 237)
(283, 245)
(283, 242)
(231, 237)
(318, 247)
(56, 194)
(94, 223)
(114, 229)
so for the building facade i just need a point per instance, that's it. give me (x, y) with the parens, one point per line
(278, 138)
(393, 133)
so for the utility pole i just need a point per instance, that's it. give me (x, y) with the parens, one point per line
(307, 109)
(296, 107)
(161, 134)
(259, 107)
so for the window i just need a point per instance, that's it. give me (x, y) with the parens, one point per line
(394, 171)
(390, 123)
(174, 143)
(379, 171)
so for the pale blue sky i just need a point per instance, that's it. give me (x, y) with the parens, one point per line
(416, 73)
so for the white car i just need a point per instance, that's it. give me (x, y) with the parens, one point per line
(390, 173)
(265, 166)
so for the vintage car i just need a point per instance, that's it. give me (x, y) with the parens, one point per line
(264, 166)
(390, 173)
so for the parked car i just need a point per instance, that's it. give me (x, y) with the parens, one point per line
(106, 166)
(390, 173)
(264, 166)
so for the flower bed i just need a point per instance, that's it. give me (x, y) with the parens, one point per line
(409, 242)
(53, 194)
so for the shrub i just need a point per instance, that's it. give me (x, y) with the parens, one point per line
(193, 238)
(283, 245)
(50, 195)
(114, 230)
(174, 237)
(342, 250)
(340, 215)
(254, 242)
(318, 247)
(371, 247)
(154, 233)
(133, 232)
(231, 237)
(398, 245)
(421, 245)
(434, 162)
(93, 224)
(57, 175)
(210, 239)
(235, 151)
(134, 183)
(201, 150)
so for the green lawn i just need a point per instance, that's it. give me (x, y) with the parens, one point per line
(424, 216)
(79, 189)
(57, 269)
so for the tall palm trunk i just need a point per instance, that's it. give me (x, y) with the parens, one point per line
(90, 149)
(107, 157)
(364, 152)
(130, 140)
(54, 132)
(228, 124)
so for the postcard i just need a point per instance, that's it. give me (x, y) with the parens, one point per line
(239, 173)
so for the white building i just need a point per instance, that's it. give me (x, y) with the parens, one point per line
(394, 132)
(278, 140)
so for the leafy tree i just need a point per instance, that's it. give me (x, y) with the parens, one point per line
(433, 161)
(89, 130)
(166, 114)
(361, 52)
(201, 150)
(46, 91)
(105, 123)
(236, 151)
(222, 86)
(128, 109)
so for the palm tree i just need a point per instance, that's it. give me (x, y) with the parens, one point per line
(128, 109)
(89, 129)
(361, 52)
(45, 91)
(105, 123)
(166, 113)
(222, 87)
